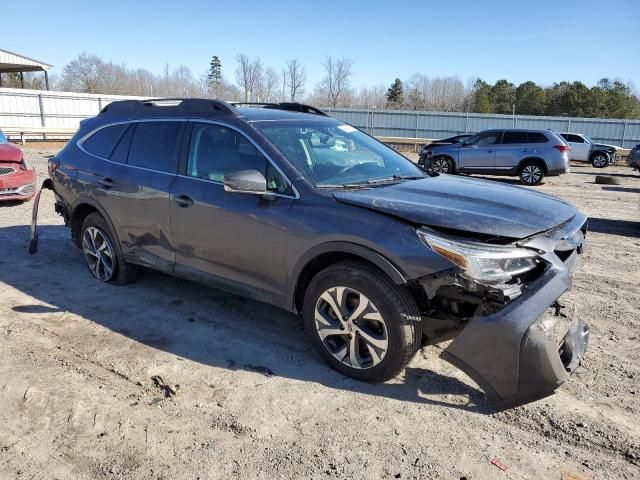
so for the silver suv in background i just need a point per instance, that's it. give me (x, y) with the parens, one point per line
(529, 154)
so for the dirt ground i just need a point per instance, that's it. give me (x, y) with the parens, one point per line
(88, 371)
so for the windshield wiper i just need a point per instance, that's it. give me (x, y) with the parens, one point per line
(394, 178)
(342, 185)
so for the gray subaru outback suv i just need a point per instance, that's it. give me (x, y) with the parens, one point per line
(529, 154)
(285, 205)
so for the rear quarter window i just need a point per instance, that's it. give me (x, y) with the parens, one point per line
(102, 142)
(537, 137)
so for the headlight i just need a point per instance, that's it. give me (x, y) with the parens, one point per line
(483, 262)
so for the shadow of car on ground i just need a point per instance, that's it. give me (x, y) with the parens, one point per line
(198, 323)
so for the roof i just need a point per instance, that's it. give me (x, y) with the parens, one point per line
(12, 62)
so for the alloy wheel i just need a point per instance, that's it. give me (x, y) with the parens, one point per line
(531, 174)
(441, 165)
(351, 327)
(600, 161)
(98, 253)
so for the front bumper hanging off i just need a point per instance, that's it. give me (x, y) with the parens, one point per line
(525, 351)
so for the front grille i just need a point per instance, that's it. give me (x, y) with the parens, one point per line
(6, 170)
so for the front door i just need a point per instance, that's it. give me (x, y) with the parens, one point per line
(580, 148)
(235, 241)
(480, 152)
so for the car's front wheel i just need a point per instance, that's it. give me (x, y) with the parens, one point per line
(531, 173)
(362, 324)
(600, 160)
(441, 165)
(101, 254)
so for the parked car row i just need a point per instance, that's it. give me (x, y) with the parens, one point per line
(17, 178)
(529, 154)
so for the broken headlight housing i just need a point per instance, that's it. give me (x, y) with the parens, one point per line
(482, 262)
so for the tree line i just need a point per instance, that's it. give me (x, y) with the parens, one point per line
(253, 81)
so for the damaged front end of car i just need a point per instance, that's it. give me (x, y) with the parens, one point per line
(501, 304)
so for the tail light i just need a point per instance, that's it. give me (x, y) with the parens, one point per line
(562, 148)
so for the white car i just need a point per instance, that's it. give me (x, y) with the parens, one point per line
(583, 149)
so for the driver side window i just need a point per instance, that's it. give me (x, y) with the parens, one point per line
(215, 151)
(486, 139)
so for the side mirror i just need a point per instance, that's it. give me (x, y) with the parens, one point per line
(245, 181)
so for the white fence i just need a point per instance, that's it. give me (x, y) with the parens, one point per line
(42, 108)
(47, 111)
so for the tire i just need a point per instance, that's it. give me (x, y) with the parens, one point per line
(607, 180)
(531, 173)
(386, 334)
(441, 165)
(600, 160)
(102, 252)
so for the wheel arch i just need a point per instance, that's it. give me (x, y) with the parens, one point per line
(321, 256)
(84, 207)
(538, 160)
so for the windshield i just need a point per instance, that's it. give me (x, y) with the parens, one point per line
(329, 154)
(3, 139)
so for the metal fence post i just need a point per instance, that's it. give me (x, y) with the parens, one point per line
(42, 121)
(624, 131)
(568, 125)
(466, 123)
(99, 104)
(417, 117)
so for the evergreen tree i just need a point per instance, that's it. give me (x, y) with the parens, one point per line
(215, 75)
(395, 93)
(481, 94)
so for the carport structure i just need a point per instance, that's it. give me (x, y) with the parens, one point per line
(13, 63)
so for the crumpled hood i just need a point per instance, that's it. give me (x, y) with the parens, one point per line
(10, 153)
(466, 204)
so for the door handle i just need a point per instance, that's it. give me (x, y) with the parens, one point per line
(489, 151)
(106, 183)
(183, 200)
(525, 150)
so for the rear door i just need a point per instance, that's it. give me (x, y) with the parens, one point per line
(134, 189)
(235, 241)
(480, 154)
(514, 147)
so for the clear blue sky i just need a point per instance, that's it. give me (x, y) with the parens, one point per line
(541, 40)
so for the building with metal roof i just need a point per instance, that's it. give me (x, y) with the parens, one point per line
(13, 63)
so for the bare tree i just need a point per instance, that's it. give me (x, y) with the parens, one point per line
(243, 75)
(374, 96)
(296, 76)
(335, 86)
(82, 74)
(270, 86)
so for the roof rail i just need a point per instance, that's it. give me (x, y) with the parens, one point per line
(290, 106)
(183, 105)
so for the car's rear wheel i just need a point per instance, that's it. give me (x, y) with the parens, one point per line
(600, 160)
(441, 165)
(531, 173)
(101, 252)
(361, 323)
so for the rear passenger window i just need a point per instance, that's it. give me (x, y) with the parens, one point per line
(121, 151)
(575, 139)
(514, 137)
(156, 145)
(101, 143)
(537, 137)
